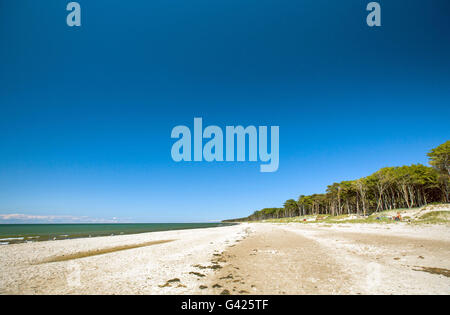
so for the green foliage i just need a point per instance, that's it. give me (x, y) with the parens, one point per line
(386, 189)
(440, 160)
(436, 216)
(440, 157)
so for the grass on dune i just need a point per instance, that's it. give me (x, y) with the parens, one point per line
(435, 217)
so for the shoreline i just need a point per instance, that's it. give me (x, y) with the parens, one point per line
(247, 258)
(138, 270)
(71, 233)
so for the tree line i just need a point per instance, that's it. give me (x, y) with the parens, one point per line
(388, 188)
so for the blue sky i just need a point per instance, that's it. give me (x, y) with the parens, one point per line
(86, 113)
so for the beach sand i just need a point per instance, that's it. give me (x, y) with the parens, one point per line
(338, 259)
(250, 258)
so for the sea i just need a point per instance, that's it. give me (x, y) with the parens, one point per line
(21, 233)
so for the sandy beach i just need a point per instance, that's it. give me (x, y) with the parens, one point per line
(250, 258)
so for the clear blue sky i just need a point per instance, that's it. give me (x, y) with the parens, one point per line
(86, 113)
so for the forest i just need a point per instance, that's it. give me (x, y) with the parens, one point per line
(388, 188)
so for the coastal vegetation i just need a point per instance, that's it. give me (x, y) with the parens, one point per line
(389, 188)
(431, 214)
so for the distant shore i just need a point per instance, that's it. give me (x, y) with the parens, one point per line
(249, 258)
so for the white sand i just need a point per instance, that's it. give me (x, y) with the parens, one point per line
(263, 258)
(386, 258)
(133, 271)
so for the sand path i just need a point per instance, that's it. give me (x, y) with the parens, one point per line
(272, 260)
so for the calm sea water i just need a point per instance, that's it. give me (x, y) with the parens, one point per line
(19, 233)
